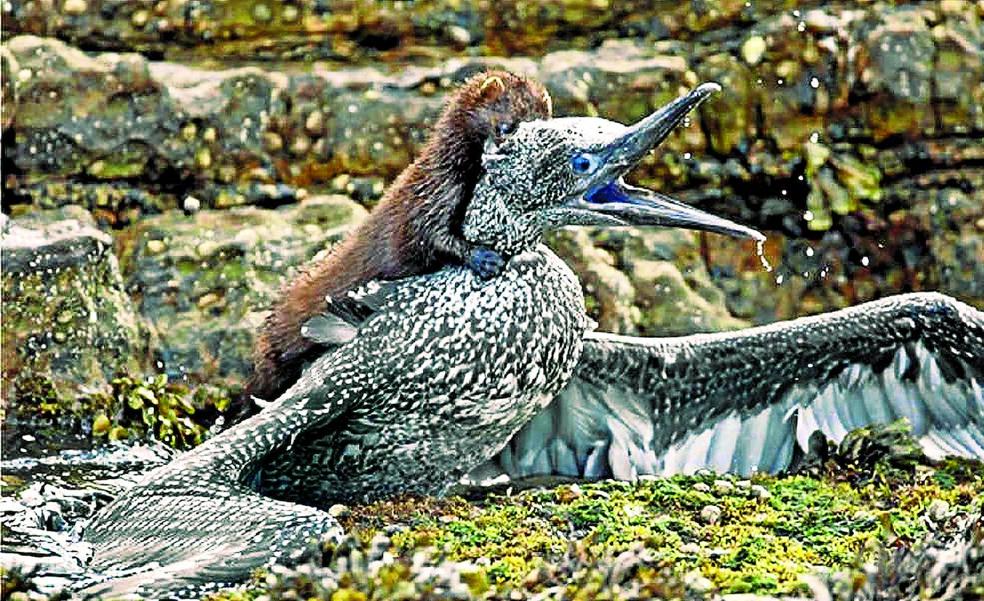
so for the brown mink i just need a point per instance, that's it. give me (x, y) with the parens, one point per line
(415, 228)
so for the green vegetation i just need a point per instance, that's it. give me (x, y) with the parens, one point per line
(170, 412)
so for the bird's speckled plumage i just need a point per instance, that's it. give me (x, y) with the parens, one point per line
(446, 371)
(436, 375)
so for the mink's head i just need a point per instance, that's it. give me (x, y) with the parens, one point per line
(491, 105)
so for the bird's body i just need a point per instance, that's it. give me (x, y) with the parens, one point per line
(436, 375)
(450, 367)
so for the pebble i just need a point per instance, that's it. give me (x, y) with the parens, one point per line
(140, 18)
(315, 123)
(272, 141)
(155, 247)
(300, 145)
(710, 514)
(753, 49)
(289, 14)
(696, 581)
(723, 487)
(203, 158)
(690, 548)
(938, 510)
(74, 7)
(262, 13)
(459, 35)
(744, 484)
(702, 487)
(760, 491)
(191, 204)
(339, 511)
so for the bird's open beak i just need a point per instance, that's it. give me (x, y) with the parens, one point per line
(610, 197)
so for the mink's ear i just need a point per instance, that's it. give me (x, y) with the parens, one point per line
(492, 87)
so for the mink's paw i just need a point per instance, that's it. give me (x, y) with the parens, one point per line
(486, 263)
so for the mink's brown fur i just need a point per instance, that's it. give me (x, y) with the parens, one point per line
(416, 227)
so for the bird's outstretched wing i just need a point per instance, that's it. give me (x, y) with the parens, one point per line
(742, 401)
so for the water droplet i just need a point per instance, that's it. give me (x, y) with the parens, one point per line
(864, 261)
(814, 83)
(808, 215)
(815, 137)
(809, 252)
(801, 27)
(779, 279)
(686, 155)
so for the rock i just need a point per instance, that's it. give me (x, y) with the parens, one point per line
(702, 487)
(723, 487)
(710, 514)
(69, 325)
(760, 491)
(697, 582)
(339, 511)
(938, 510)
(191, 204)
(74, 7)
(205, 280)
(629, 292)
(753, 49)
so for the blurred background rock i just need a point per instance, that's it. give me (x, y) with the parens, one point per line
(167, 164)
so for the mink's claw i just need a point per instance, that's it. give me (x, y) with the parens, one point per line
(486, 263)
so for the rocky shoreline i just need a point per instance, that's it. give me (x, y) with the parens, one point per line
(166, 165)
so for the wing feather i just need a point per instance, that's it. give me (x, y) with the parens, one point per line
(744, 401)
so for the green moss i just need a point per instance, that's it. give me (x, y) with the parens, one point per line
(760, 545)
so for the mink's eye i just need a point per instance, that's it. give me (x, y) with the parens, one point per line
(506, 127)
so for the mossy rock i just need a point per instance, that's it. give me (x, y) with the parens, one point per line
(203, 282)
(68, 324)
(791, 535)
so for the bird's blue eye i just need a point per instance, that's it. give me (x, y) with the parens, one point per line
(583, 164)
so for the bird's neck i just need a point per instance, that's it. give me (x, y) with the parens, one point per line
(493, 221)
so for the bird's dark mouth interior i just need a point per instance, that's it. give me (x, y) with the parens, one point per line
(607, 193)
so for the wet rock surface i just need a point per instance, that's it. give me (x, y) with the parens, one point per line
(68, 323)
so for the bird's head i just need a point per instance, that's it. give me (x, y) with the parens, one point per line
(568, 171)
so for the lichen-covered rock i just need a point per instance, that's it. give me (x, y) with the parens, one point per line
(646, 283)
(203, 282)
(693, 537)
(68, 324)
(819, 137)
